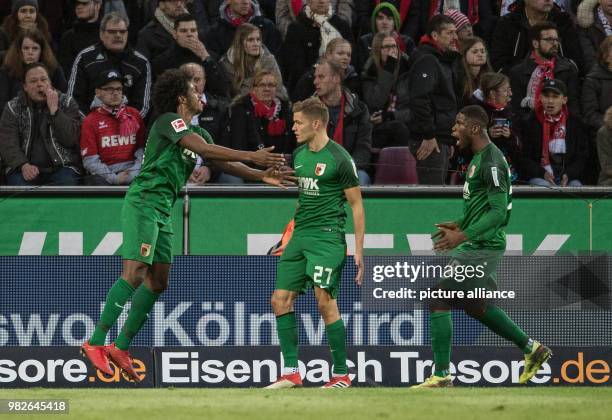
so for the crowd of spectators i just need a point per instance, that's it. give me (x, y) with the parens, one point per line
(76, 78)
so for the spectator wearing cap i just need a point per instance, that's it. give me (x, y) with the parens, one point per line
(544, 62)
(159, 34)
(385, 18)
(512, 37)
(554, 141)
(188, 48)
(24, 15)
(463, 25)
(112, 52)
(234, 13)
(409, 12)
(85, 31)
(594, 25)
(307, 38)
(39, 133)
(287, 10)
(112, 135)
(479, 13)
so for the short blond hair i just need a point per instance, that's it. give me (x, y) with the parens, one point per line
(313, 109)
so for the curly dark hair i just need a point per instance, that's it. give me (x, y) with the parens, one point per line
(166, 91)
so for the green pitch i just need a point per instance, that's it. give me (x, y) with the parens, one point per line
(351, 404)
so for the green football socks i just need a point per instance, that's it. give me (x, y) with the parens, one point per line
(118, 295)
(286, 326)
(441, 330)
(500, 323)
(142, 303)
(336, 336)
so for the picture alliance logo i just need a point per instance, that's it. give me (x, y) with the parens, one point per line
(51, 371)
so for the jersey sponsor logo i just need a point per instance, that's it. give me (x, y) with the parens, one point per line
(472, 170)
(495, 176)
(179, 125)
(115, 140)
(308, 186)
(320, 169)
(102, 124)
(145, 250)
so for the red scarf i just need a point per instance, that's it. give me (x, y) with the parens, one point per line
(554, 127)
(426, 39)
(128, 124)
(339, 131)
(495, 106)
(296, 6)
(276, 125)
(547, 72)
(403, 11)
(235, 19)
(472, 14)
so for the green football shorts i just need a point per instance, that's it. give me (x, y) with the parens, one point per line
(147, 234)
(473, 268)
(312, 259)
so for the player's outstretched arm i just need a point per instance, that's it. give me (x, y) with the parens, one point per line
(262, 157)
(353, 196)
(281, 177)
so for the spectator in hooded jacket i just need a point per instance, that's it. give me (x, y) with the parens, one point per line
(512, 38)
(112, 135)
(307, 39)
(385, 18)
(594, 25)
(386, 92)
(597, 87)
(234, 13)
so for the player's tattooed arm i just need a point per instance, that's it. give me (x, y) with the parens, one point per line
(353, 196)
(262, 157)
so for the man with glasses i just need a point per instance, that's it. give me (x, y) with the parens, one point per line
(112, 135)
(112, 52)
(543, 63)
(84, 32)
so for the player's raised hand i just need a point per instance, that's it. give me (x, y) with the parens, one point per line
(264, 157)
(359, 263)
(281, 177)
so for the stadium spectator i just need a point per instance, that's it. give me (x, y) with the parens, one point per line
(112, 52)
(259, 119)
(85, 31)
(463, 25)
(29, 47)
(512, 37)
(479, 14)
(597, 87)
(386, 92)
(287, 11)
(338, 50)
(385, 18)
(604, 149)
(594, 25)
(24, 15)
(245, 58)
(188, 48)
(473, 64)
(554, 141)
(234, 13)
(39, 133)
(349, 118)
(433, 103)
(159, 34)
(307, 39)
(210, 119)
(409, 16)
(112, 135)
(543, 63)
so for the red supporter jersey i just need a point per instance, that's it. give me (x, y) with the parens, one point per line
(100, 136)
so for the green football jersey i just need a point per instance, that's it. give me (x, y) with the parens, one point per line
(166, 166)
(322, 178)
(487, 200)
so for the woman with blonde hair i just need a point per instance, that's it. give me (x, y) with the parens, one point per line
(245, 57)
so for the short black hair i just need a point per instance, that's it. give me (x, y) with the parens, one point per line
(437, 22)
(34, 65)
(536, 30)
(185, 17)
(167, 89)
(476, 114)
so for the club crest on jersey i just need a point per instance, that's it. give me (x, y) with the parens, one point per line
(320, 169)
(145, 250)
(179, 125)
(472, 170)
